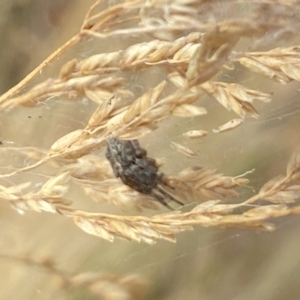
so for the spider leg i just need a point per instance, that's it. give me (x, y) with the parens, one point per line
(138, 151)
(151, 162)
(108, 153)
(161, 200)
(160, 178)
(168, 195)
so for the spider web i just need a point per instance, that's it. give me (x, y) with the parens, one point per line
(207, 263)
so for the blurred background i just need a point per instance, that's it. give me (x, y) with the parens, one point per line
(207, 263)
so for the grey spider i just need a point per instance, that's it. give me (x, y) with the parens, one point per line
(130, 162)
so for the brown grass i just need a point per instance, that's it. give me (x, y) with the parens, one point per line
(101, 286)
(192, 44)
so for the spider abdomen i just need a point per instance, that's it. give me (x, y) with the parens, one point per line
(130, 163)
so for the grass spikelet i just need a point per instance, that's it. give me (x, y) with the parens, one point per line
(159, 71)
(191, 60)
(97, 284)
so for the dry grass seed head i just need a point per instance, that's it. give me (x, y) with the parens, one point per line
(192, 60)
(280, 64)
(97, 284)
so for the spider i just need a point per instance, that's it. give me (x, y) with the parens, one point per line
(130, 162)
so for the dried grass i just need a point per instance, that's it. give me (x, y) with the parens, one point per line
(201, 50)
(96, 284)
(191, 50)
(200, 183)
(192, 43)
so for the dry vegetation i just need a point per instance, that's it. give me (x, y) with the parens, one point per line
(102, 286)
(193, 42)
